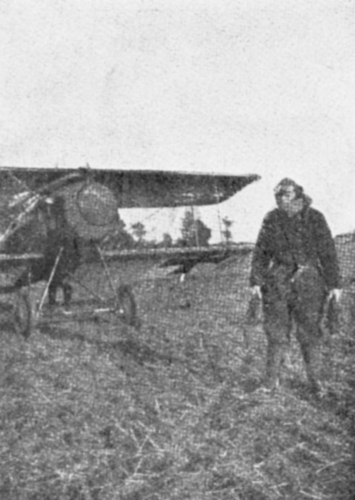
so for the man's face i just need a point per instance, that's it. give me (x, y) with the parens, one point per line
(286, 197)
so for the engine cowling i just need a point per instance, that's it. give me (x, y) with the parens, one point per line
(91, 209)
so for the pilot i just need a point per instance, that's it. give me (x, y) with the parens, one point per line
(61, 255)
(62, 244)
(294, 270)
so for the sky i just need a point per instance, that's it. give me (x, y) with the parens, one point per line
(233, 86)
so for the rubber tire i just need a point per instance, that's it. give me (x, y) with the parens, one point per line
(127, 304)
(15, 313)
(22, 315)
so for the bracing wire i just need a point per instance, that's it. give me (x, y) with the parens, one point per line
(219, 217)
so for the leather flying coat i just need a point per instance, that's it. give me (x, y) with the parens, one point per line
(304, 238)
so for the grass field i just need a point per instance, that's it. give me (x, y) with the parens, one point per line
(101, 411)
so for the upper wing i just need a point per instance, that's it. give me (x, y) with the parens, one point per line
(131, 188)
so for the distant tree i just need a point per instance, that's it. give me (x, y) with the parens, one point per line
(226, 231)
(139, 232)
(149, 243)
(167, 241)
(194, 232)
(188, 233)
(204, 233)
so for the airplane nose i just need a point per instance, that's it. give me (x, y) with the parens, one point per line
(97, 205)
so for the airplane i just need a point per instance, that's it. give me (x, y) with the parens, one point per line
(52, 221)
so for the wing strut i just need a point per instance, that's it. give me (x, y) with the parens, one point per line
(219, 213)
(49, 281)
(195, 226)
(106, 269)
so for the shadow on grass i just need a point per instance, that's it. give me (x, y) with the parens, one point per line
(132, 348)
(57, 333)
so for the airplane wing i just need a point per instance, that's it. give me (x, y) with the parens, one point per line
(174, 255)
(13, 260)
(131, 188)
(92, 199)
(183, 258)
(171, 256)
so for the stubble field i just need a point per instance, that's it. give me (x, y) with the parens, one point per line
(173, 410)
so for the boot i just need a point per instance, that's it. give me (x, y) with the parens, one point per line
(273, 366)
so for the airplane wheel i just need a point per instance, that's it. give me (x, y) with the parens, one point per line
(15, 313)
(22, 317)
(127, 309)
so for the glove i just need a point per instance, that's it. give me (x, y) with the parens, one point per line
(331, 320)
(335, 294)
(252, 313)
(256, 291)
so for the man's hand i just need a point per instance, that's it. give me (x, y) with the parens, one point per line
(335, 293)
(256, 291)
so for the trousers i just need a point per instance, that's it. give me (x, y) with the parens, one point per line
(293, 299)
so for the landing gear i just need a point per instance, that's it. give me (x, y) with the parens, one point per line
(100, 302)
(98, 305)
(15, 313)
(127, 309)
(22, 319)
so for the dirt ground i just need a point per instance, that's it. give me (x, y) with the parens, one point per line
(173, 410)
